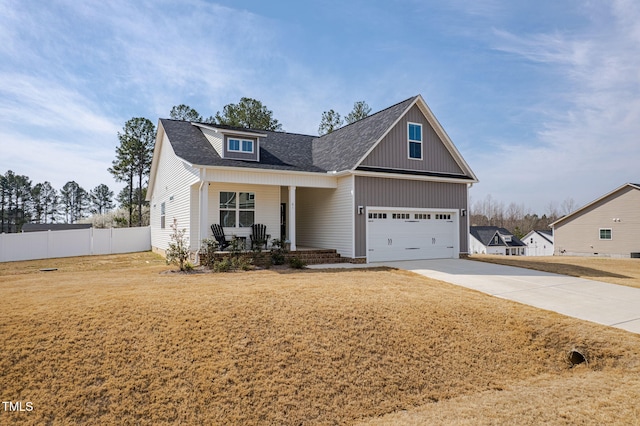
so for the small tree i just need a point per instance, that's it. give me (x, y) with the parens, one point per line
(360, 110)
(329, 122)
(178, 251)
(185, 113)
(101, 198)
(249, 113)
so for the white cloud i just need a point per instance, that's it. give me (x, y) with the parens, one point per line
(32, 102)
(591, 146)
(57, 161)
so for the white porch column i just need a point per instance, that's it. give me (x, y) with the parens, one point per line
(292, 217)
(204, 213)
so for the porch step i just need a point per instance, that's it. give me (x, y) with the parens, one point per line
(317, 257)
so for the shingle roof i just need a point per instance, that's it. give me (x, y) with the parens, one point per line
(278, 151)
(485, 234)
(339, 150)
(343, 148)
(546, 234)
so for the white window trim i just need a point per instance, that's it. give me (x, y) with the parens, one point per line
(237, 208)
(253, 145)
(409, 141)
(163, 215)
(605, 229)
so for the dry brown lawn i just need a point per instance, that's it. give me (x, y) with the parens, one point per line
(112, 340)
(615, 271)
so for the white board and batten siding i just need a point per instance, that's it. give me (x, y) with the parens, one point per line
(172, 187)
(324, 217)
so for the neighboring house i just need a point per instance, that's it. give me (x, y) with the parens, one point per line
(608, 226)
(37, 227)
(391, 186)
(495, 240)
(539, 243)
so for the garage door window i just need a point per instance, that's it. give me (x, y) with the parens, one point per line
(377, 215)
(400, 216)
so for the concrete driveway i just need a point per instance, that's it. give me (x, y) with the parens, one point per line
(603, 303)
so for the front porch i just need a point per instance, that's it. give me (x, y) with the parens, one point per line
(309, 255)
(302, 216)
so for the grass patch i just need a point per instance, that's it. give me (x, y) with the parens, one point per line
(610, 270)
(129, 345)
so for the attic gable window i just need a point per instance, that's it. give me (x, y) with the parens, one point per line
(240, 145)
(415, 141)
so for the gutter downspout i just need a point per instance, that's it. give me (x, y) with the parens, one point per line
(469, 220)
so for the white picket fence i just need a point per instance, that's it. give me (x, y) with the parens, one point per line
(75, 242)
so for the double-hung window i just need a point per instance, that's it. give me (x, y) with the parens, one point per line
(240, 145)
(605, 233)
(415, 141)
(237, 209)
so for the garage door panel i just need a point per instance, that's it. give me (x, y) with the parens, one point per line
(410, 235)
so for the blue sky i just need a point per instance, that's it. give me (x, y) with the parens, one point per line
(542, 98)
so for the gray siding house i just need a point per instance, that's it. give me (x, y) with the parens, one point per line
(391, 186)
(608, 226)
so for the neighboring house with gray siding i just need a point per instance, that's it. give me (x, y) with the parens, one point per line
(391, 186)
(608, 226)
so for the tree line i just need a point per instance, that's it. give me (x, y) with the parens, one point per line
(23, 202)
(252, 114)
(516, 217)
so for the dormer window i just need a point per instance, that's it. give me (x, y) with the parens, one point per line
(415, 141)
(240, 145)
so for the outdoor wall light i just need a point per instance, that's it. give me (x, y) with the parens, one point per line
(360, 209)
(463, 212)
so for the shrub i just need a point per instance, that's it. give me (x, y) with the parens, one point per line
(243, 263)
(178, 251)
(207, 252)
(223, 265)
(277, 252)
(229, 264)
(297, 263)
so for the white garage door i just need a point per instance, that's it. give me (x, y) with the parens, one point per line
(410, 235)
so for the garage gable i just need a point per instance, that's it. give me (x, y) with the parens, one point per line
(417, 143)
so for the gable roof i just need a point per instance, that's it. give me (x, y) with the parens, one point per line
(543, 233)
(344, 149)
(586, 206)
(485, 235)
